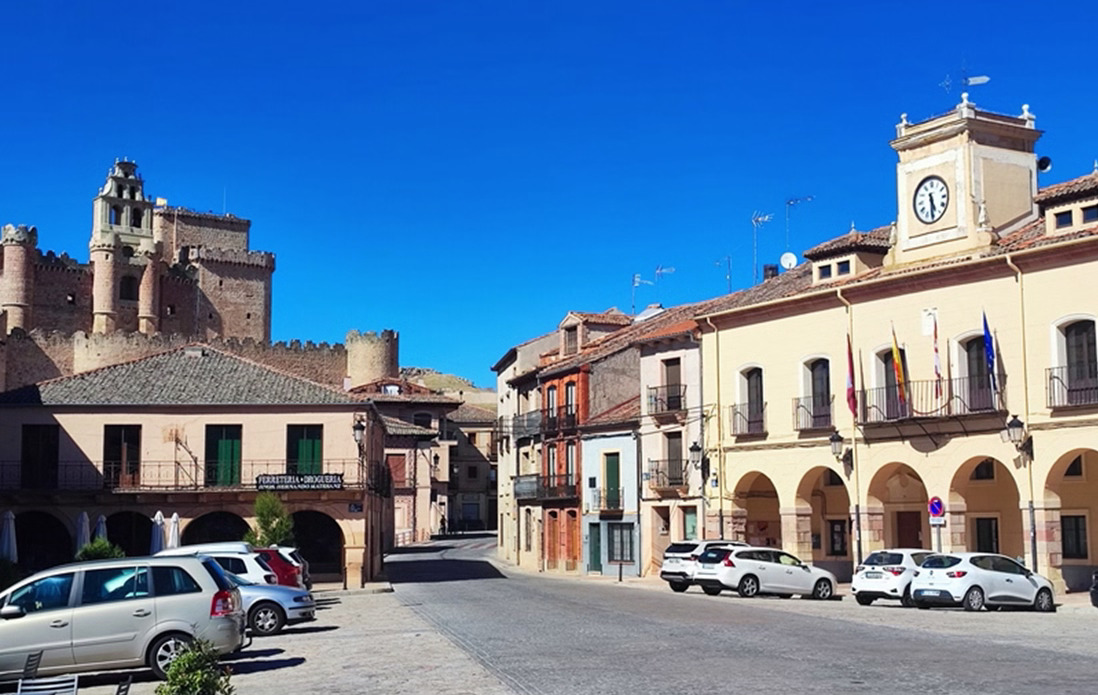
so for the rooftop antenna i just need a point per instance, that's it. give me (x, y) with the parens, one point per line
(637, 281)
(758, 219)
(788, 204)
(727, 261)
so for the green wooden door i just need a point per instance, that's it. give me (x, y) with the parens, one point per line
(223, 455)
(594, 562)
(612, 478)
(304, 449)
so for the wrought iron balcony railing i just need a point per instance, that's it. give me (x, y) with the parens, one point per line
(610, 499)
(666, 399)
(141, 476)
(557, 487)
(664, 473)
(813, 413)
(748, 419)
(932, 398)
(1070, 387)
(560, 419)
(527, 424)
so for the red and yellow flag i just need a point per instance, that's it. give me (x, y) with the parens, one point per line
(898, 368)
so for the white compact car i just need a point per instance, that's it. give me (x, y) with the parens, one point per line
(753, 571)
(887, 574)
(680, 561)
(978, 580)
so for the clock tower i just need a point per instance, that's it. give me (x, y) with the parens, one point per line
(963, 179)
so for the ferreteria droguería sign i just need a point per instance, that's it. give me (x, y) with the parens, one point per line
(299, 481)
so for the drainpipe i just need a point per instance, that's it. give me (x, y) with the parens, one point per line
(853, 437)
(1025, 405)
(720, 430)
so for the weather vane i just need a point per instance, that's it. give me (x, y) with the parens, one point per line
(965, 81)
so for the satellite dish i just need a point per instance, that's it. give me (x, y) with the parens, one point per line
(1044, 164)
(788, 260)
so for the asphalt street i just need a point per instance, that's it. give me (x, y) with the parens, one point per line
(543, 634)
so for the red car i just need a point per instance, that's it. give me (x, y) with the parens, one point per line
(287, 573)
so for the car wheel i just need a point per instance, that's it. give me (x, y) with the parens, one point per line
(164, 651)
(974, 599)
(906, 601)
(1044, 602)
(266, 619)
(823, 590)
(749, 586)
(863, 600)
(679, 587)
(712, 590)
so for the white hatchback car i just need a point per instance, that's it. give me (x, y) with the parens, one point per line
(887, 574)
(753, 571)
(249, 565)
(979, 580)
(680, 561)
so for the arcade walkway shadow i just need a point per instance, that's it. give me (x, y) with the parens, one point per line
(413, 571)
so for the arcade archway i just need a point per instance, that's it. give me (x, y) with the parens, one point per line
(896, 515)
(42, 541)
(215, 527)
(320, 541)
(756, 511)
(130, 531)
(986, 490)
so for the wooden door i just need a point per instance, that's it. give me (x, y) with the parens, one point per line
(594, 562)
(552, 540)
(909, 529)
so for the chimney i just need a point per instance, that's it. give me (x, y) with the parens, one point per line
(770, 270)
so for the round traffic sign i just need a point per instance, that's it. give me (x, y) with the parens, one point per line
(936, 507)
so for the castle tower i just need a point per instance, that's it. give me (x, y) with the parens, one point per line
(148, 318)
(371, 356)
(17, 283)
(122, 226)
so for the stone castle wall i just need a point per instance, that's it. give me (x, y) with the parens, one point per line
(236, 297)
(36, 356)
(179, 227)
(62, 295)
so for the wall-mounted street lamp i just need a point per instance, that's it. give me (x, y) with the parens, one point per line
(1016, 433)
(695, 455)
(840, 451)
(357, 430)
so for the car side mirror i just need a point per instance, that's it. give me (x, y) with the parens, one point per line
(805, 567)
(11, 611)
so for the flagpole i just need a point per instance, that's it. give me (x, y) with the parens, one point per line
(853, 424)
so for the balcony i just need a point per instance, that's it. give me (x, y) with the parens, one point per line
(526, 487)
(666, 399)
(932, 398)
(560, 419)
(557, 487)
(527, 425)
(169, 476)
(667, 473)
(549, 422)
(813, 413)
(608, 499)
(1071, 387)
(748, 419)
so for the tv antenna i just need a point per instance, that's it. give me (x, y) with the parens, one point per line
(637, 281)
(758, 219)
(727, 262)
(788, 204)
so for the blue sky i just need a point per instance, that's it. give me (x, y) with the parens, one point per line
(467, 172)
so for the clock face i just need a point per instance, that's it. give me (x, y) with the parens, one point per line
(931, 199)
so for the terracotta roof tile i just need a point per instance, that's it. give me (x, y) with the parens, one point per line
(877, 240)
(400, 428)
(610, 316)
(626, 411)
(1067, 189)
(472, 414)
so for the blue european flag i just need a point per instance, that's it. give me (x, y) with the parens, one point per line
(989, 351)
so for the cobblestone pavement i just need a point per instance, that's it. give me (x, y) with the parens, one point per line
(459, 621)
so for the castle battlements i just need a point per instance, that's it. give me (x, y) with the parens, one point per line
(258, 259)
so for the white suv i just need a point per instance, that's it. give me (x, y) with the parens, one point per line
(122, 613)
(249, 565)
(680, 561)
(978, 580)
(887, 574)
(753, 571)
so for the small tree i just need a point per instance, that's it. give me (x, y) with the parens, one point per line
(99, 549)
(196, 671)
(275, 526)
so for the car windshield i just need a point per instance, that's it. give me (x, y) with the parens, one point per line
(681, 548)
(884, 558)
(237, 580)
(714, 555)
(940, 561)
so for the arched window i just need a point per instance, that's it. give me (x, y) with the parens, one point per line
(127, 288)
(529, 529)
(1082, 363)
(820, 380)
(116, 214)
(136, 217)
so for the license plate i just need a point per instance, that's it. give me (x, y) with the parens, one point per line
(873, 575)
(929, 592)
(673, 561)
(707, 566)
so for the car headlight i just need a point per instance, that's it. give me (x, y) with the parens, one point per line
(304, 598)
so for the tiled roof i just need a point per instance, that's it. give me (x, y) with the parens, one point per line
(787, 284)
(626, 411)
(1082, 184)
(1033, 236)
(610, 316)
(410, 393)
(874, 241)
(685, 327)
(194, 375)
(472, 414)
(400, 428)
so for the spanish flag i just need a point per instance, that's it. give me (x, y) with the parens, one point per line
(898, 367)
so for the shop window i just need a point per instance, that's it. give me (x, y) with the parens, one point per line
(621, 543)
(836, 545)
(1074, 533)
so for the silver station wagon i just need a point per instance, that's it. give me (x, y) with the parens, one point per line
(122, 613)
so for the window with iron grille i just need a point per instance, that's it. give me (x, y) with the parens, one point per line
(1074, 533)
(621, 543)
